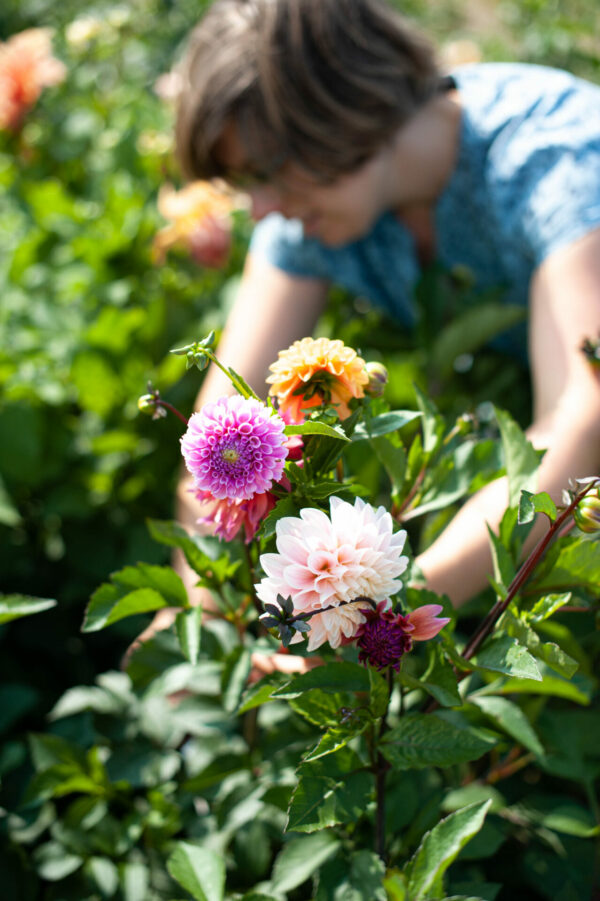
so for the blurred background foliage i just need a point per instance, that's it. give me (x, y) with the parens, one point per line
(87, 318)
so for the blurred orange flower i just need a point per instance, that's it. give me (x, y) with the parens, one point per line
(317, 371)
(26, 67)
(199, 222)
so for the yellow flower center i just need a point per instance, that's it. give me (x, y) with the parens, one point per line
(230, 455)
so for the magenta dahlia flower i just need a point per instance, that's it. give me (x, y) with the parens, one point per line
(384, 637)
(337, 562)
(234, 448)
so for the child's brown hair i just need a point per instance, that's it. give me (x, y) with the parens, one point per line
(321, 83)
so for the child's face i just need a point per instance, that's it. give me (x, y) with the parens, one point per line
(335, 212)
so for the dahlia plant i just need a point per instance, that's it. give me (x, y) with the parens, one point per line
(304, 557)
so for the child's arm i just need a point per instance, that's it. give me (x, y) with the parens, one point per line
(564, 309)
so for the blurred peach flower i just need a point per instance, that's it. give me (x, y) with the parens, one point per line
(199, 222)
(26, 67)
(460, 53)
(317, 371)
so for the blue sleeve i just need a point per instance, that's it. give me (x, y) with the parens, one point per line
(547, 174)
(281, 242)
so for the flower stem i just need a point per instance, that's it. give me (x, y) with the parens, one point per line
(488, 623)
(167, 406)
(381, 768)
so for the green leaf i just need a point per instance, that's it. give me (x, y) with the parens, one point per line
(504, 569)
(511, 719)
(576, 564)
(53, 862)
(550, 685)
(234, 677)
(384, 424)
(188, 625)
(440, 847)
(338, 736)
(433, 422)
(471, 330)
(319, 707)
(332, 677)
(421, 740)
(503, 654)
(439, 681)
(316, 428)
(522, 460)
(108, 605)
(547, 606)
(334, 789)
(135, 879)
(300, 858)
(530, 504)
(380, 692)
(200, 871)
(9, 515)
(260, 692)
(14, 606)
(393, 459)
(213, 570)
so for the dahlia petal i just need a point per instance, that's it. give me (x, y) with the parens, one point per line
(426, 622)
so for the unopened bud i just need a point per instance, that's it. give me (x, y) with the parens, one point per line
(587, 513)
(378, 379)
(147, 404)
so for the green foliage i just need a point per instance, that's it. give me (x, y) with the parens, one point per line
(188, 773)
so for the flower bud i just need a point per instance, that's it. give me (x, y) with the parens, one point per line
(587, 513)
(378, 379)
(147, 404)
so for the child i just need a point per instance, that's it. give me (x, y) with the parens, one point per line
(362, 164)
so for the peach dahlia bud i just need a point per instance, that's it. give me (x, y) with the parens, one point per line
(587, 513)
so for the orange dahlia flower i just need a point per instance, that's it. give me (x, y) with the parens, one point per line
(317, 371)
(199, 222)
(26, 67)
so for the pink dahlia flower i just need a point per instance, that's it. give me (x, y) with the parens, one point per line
(234, 448)
(334, 561)
(384, 636)
(227, 518)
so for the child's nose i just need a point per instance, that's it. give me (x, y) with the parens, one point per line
(264, 199)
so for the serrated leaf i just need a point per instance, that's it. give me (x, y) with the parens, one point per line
(300, 858)
(188, 625)
(319, 707)
(383, 424)
(421, 740)
(521, 459)
(441, 846)
(334, 789)
(503, 654)
(332, 677)
(504, 570)
(316, 428)
(510, 718)
(200, 871)
(15, 606)
(433, 422)
(337, 737)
